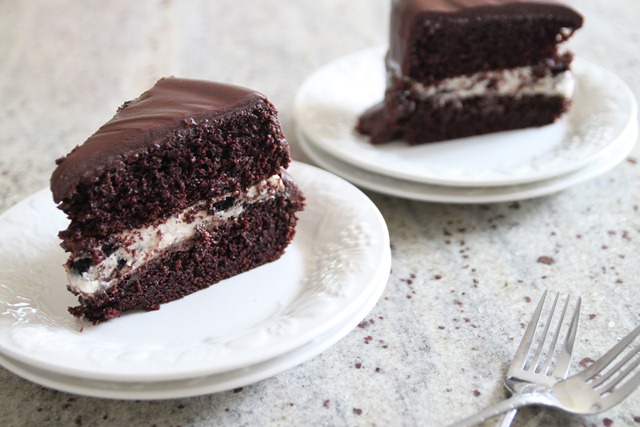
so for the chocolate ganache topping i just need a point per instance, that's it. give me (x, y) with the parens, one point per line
(172, 103)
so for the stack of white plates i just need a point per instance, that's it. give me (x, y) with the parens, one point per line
(598, 132)
(237, 332)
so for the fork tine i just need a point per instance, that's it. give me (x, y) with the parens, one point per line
(546, 368)
(535, 359)
(616, 369)
(564, 357)
(620, 393)
(610, 355)
(520, 358)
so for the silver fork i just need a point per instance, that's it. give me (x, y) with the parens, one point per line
(544, 364)
(591, 391)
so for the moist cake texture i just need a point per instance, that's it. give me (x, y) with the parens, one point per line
(458, 68)
(184, 187)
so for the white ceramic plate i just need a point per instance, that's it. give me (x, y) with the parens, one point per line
(326, 274)
(443, 194)
(205, 384)
(330, 101)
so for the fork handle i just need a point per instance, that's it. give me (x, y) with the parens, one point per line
(514, 402)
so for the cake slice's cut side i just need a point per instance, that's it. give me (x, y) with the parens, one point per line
(197, 160)
(96, 264)
(463, 106)
(216, 250)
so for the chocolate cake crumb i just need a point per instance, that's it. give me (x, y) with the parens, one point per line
(546, 260)
(607, 422)
(357, 411)
(326, 403)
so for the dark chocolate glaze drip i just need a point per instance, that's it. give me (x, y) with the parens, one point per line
(146, 122)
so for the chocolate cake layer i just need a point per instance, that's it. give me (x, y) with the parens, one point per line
(258, 236)
(432, 40)
(473, 116)
(139, 166)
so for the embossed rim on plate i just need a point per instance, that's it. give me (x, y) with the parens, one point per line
(326, 274)
(329, 102)
(205, 384)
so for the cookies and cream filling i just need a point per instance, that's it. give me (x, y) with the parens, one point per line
(515, 82)
(138, 246)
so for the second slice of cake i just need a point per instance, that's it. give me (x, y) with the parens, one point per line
(458, 68)
(184, 187)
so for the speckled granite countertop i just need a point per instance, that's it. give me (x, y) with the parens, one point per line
(464, 279)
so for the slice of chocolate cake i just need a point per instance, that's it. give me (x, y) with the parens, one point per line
(183, 187)
(458, 68)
